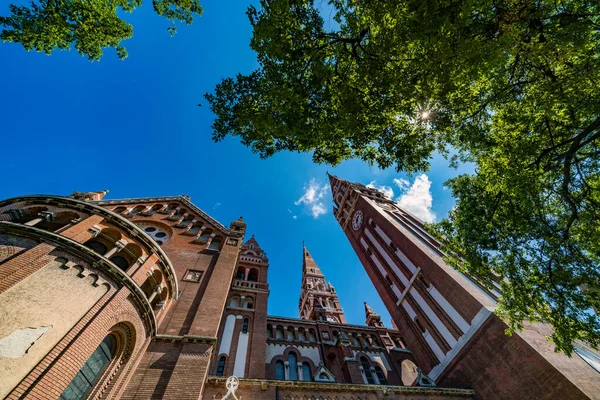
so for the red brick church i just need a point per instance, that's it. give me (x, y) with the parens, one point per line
(151, 298)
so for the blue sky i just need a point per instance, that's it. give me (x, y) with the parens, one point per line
(134, 127)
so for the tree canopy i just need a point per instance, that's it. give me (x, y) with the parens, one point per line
(509, 85)
(88, 25)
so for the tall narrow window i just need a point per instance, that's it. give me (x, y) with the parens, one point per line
(367, 370)
(245, 326)
(279, 371)
(306, 376)
(293, 360)
(221, 366)
(89, 374)
(380, 376)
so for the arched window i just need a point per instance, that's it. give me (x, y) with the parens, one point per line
(290, 333)
(421, 327)
(355, 340)
(240, 274)
(311, 336)
(215, 244)
(205, 235)
(279, 332)
(156, 208)
(234, 302)
(245, 326)
(367, 370)
(89, 374)
(119, 209)
(293, 360)
(269, 332)
(301, 335)
(279, 371)
(380, 376)
(97, 246)
(375, 341)
(136, 210)
(120, 262)
(221, 366)
(253, 275)
(306, 376)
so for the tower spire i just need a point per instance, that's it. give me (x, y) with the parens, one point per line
(318, 299)
(373, 319)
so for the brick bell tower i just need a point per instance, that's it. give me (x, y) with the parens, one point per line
(446, 317)
(241, 345)
(318, 299)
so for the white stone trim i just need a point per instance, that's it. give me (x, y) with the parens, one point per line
(447, 307)
(433, 345)
(409, 310)
(387, 259)
(240, 356)
(437, 323)
(476, 323)
(227, 335)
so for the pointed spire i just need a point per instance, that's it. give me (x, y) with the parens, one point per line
(369, 310)
(373, 319)
(308, 264)
(318, 299)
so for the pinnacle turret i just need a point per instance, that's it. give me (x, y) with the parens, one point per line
(373, 319)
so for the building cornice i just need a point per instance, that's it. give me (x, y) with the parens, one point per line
(185, 339)
(110, 216)
(181, 199)
(344, 387)
(333, 324)
(95, 260)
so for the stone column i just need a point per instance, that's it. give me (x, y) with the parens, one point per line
(202, 229)
(190, 226)
(46, 216)
(286, 369)
(364, 376)
(374, 375)
(208, 242)
(183, 217)
(300, 372)
(119, 245)
(156, 291)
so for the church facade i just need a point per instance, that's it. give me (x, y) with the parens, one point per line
(152, 298)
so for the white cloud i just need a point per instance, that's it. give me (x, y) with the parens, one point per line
(386, 190)
(402, 184)
(295, 217)
(417, 199)
(314, 198)
(217, 205)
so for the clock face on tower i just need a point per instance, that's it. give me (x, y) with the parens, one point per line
(357, 220)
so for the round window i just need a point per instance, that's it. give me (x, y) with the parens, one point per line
(159, 233)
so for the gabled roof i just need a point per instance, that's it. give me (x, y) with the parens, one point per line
(182, 199)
